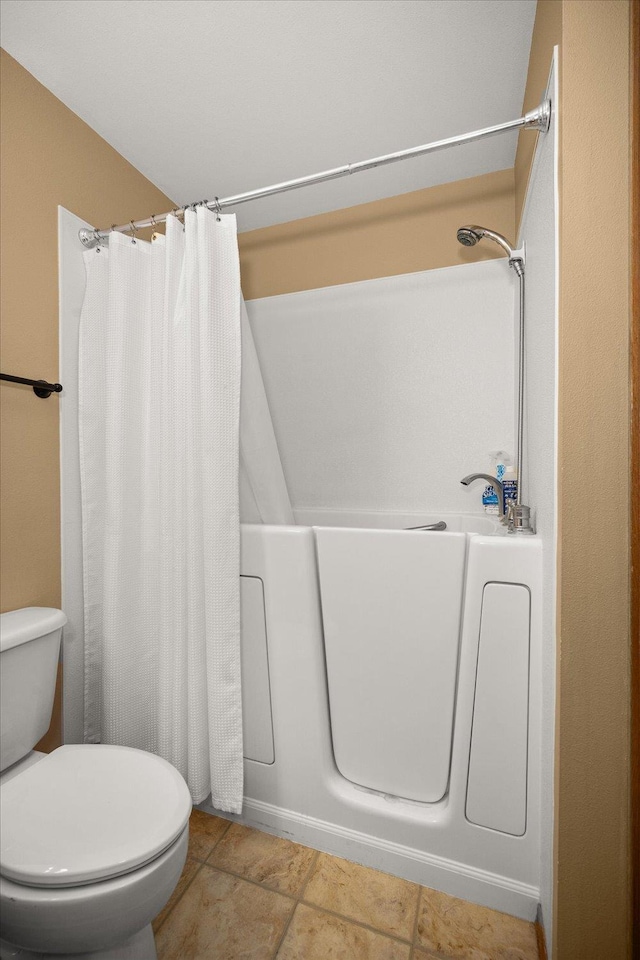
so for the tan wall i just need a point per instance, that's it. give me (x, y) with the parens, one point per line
(414, 231)
(593, 749)
(49, 157)
(547, 32)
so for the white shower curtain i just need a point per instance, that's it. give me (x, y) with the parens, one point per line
(160, 368)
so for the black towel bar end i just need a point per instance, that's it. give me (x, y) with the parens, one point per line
(41, 388)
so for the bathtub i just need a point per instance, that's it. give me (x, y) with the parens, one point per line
(391, 696)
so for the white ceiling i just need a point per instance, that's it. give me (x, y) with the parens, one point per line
(211, 97)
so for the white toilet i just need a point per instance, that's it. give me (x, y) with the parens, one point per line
(93, 838)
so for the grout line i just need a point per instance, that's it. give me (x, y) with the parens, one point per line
(255, 883)
(414, 936)
(195, 874)
(305, 883)
(216, 842)
(285, 931)
(358, 923)
(298, 898)
(307, 903)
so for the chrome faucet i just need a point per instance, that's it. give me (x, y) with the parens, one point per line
(517, 517)
(495, 483)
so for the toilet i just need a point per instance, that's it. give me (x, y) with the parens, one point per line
(93, 838)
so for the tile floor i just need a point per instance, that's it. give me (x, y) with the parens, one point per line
(245, 895)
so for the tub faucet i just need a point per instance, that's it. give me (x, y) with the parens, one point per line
(495, 483)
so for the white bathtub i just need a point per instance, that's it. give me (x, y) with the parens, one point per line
(390, 724)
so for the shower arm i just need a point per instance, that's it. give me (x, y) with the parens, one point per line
(538, 119)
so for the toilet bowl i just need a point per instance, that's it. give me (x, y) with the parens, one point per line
(93, 838)
(70, 922)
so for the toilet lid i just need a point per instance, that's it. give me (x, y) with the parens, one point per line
(89, 812)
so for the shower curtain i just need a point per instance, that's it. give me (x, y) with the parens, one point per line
(159, 402)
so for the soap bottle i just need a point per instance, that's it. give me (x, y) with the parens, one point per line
(490, 495)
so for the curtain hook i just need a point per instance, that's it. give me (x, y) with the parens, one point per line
(179, 214)
(133, 231)
(217, 208)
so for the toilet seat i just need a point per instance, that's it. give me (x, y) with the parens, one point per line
(86, 813)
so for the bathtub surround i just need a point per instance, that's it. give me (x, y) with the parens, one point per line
(263, 489)
(159, 412)
(363, 382)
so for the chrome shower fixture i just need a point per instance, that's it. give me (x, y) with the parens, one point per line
(518, 517)
(470, 234)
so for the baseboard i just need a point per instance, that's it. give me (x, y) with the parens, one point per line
(450, 876)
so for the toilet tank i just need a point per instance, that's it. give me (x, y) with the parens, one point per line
(29, 651)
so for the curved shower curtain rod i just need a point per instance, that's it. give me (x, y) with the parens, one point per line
(537, 119)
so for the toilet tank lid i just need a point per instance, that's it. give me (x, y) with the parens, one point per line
(20, 626)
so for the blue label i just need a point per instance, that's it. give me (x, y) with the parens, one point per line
(510, 491)
(489, 496)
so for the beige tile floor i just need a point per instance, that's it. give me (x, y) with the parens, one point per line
(245, 895)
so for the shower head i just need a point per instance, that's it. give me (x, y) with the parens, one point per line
(470, 234)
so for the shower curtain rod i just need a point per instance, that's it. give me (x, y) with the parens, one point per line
(537, 119)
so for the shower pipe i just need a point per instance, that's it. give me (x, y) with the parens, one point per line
(518, 518)
(537, 119)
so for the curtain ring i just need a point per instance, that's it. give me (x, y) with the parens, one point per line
(217, 208)
(133, 231)
(178, 213)
(154, 226)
